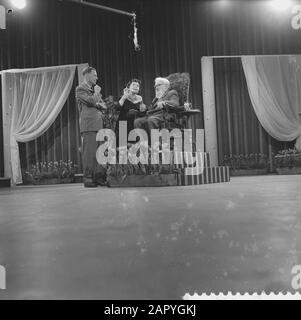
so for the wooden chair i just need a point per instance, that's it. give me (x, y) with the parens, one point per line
(179, 117)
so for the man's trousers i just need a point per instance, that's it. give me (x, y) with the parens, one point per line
(149, 122)
(92, 170)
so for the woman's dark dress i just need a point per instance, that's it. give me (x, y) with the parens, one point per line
(126, 114)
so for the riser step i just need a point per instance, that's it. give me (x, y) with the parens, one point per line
(4, 183)
(209, 175)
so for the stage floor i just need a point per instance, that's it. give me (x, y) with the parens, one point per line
(67, 242)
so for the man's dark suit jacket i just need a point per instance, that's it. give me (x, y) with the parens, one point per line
(170, 98)
(90, 117)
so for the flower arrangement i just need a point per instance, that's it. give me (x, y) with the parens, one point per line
(246, 161)
(288, 158)
(51, 170)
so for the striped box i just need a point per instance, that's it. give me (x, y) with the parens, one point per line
(209, 175)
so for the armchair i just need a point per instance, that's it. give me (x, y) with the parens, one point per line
(179, 117)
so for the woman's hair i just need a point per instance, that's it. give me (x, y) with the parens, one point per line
(134, 80)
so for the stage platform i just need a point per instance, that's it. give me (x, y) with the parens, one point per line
(67, 242)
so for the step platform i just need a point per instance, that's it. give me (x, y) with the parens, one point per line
(161, 180)
(208, 176)
(4, 182)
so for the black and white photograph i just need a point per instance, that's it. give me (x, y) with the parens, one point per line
(150, 150)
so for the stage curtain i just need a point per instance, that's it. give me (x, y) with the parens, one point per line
(38, 96)
(274, 85)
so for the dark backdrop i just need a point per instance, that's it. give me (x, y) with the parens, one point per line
(174, 35)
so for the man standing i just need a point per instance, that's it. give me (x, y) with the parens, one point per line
(90, 104)
(164, 97)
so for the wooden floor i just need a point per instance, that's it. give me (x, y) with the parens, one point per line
(67, 242)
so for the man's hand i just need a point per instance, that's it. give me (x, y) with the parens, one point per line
(97, 89)
(160, 105)
(187, 106)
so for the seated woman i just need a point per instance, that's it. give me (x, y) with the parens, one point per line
(130, 105)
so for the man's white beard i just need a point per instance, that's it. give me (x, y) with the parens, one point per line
(159, 94)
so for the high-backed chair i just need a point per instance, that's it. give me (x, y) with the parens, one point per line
(179, 117)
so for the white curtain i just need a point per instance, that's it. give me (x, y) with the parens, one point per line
(274, 85)
(38, 97)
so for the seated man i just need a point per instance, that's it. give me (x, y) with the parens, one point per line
(154, 115)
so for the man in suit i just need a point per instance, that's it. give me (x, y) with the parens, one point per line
(164, 97)
(90, 104)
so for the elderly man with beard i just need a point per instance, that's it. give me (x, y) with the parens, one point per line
(164, 97)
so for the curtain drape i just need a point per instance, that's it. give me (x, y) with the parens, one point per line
(38, 97)
(274, 85)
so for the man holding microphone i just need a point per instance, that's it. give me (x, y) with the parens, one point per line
(90, 104)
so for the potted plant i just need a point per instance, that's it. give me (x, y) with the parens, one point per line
(288, 161)
(247, 164)
(51, 172)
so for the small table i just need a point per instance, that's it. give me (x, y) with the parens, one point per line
(188, 115)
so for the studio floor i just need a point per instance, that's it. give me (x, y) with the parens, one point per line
(67, 242)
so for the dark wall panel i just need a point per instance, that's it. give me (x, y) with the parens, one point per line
(1, 143)
(239, 131)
